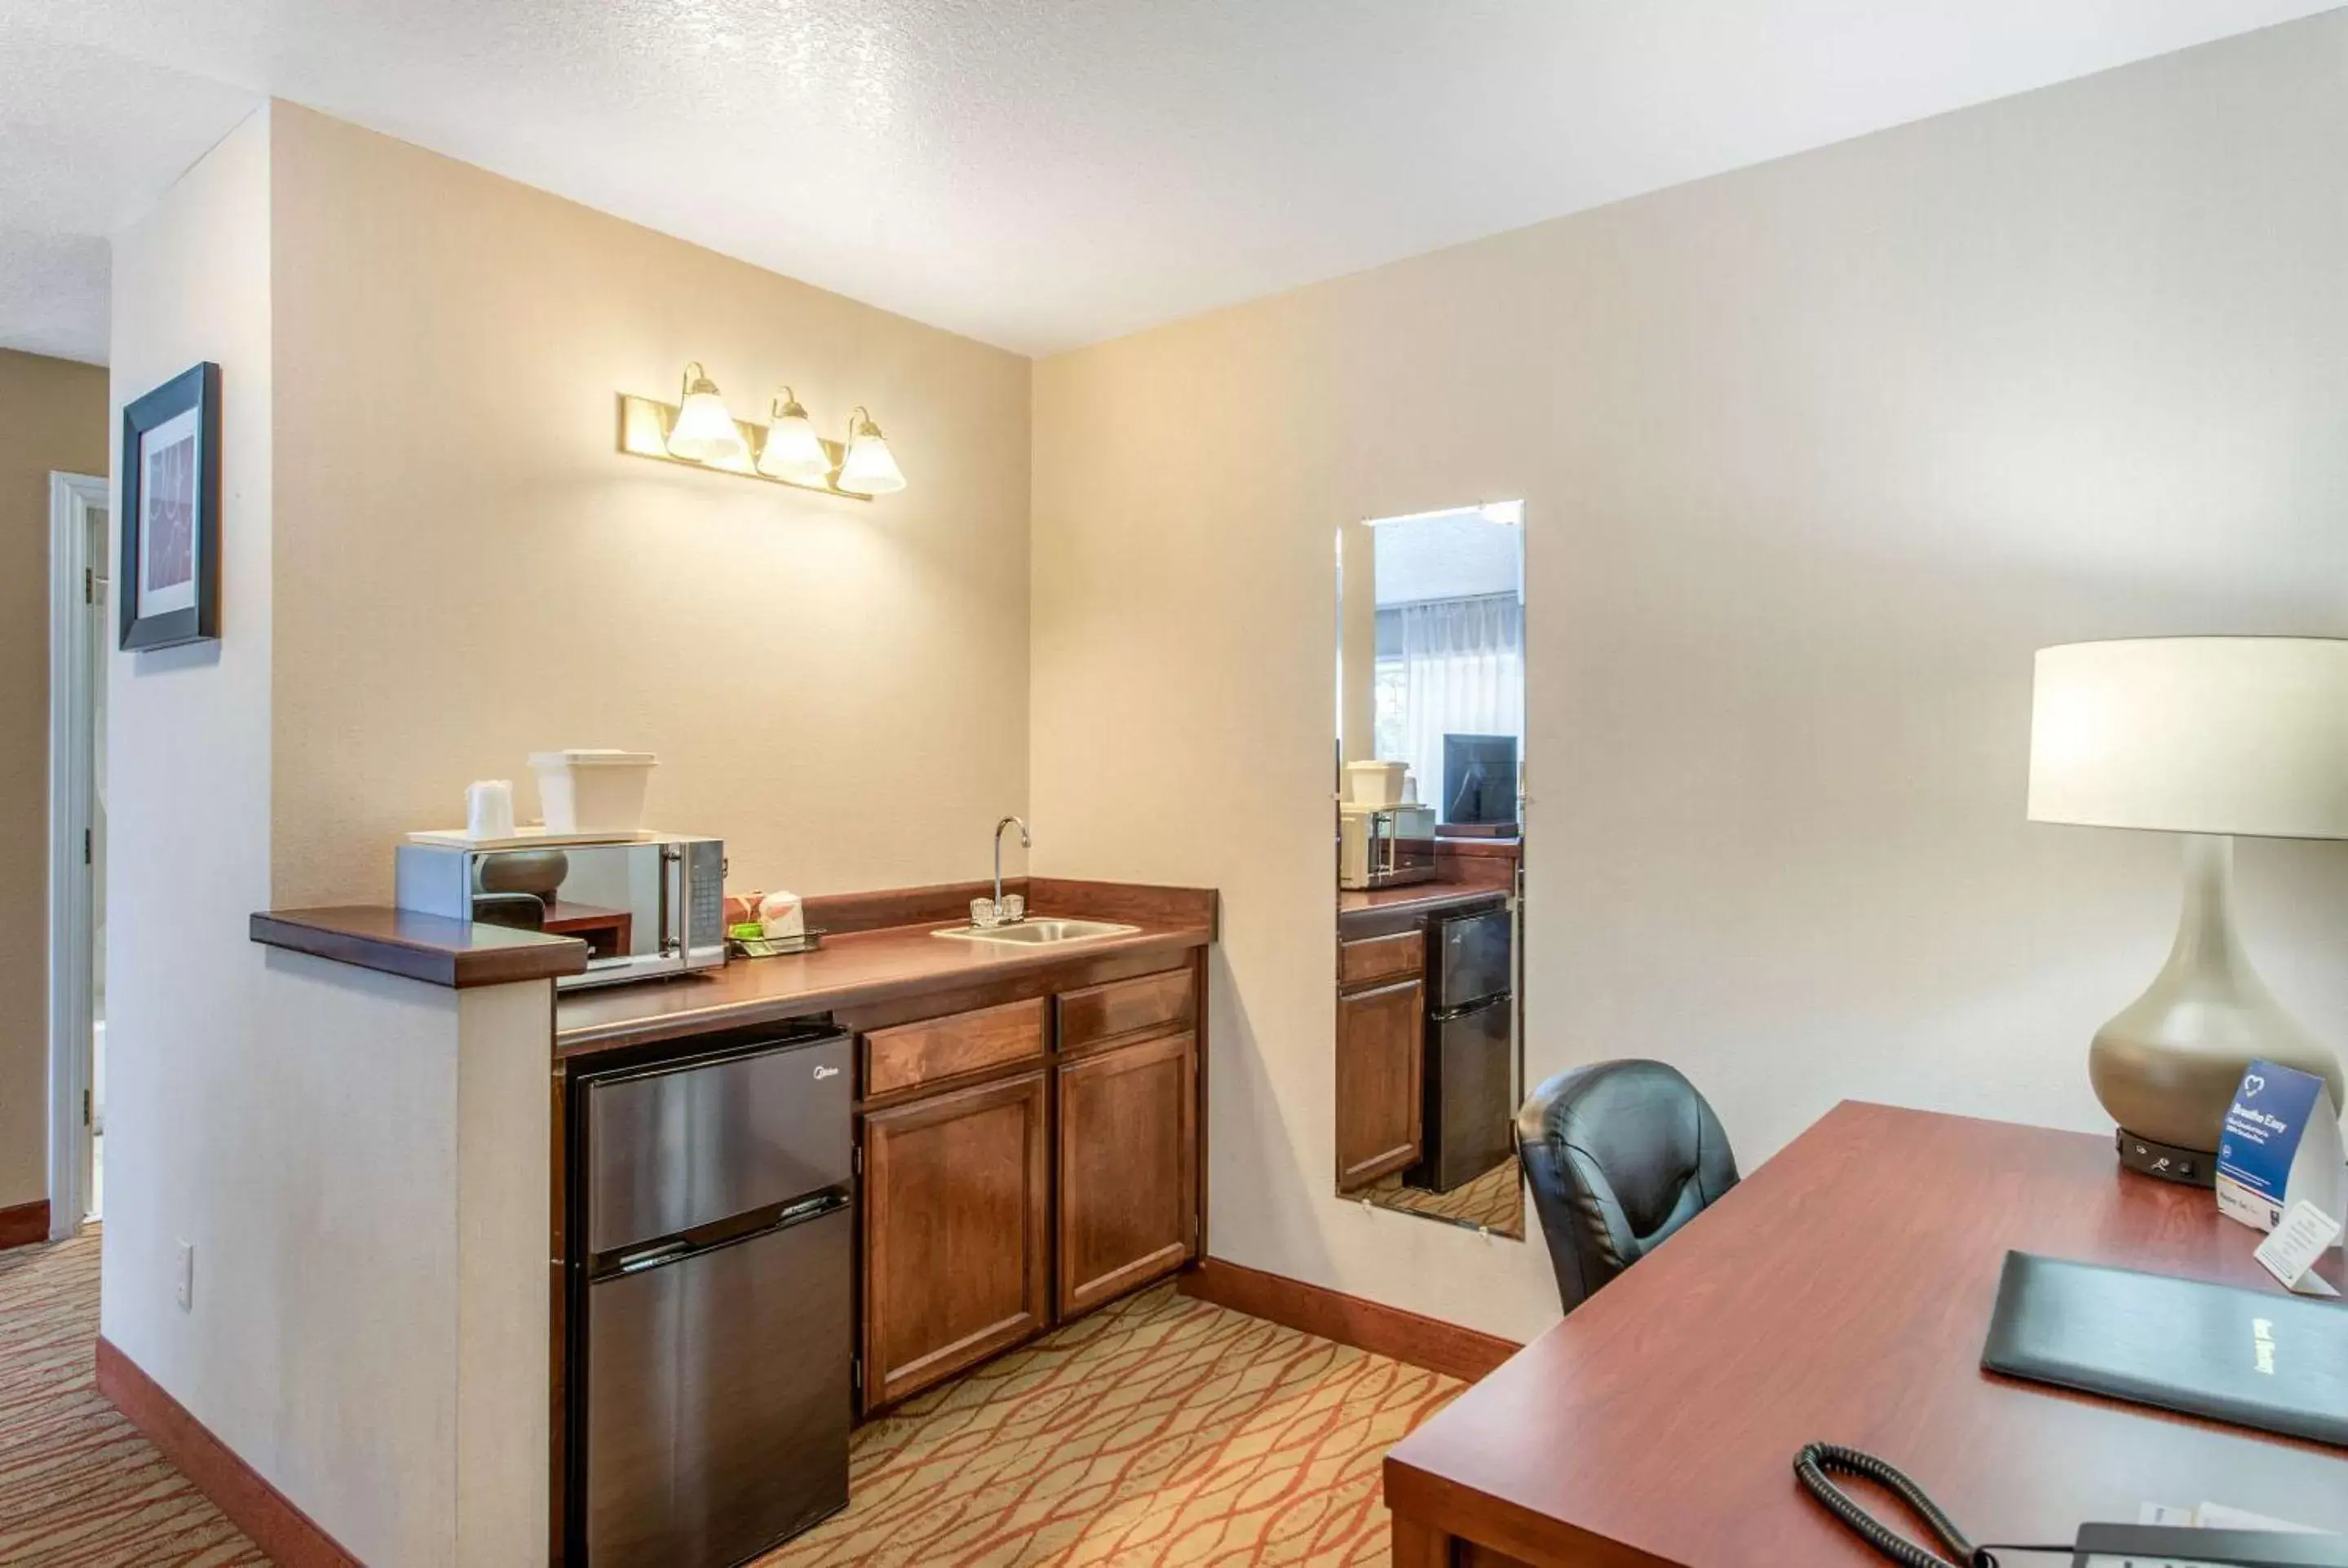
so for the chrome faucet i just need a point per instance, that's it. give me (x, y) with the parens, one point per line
(1024, 843)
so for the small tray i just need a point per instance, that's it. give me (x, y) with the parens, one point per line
(807, 941)
(532, 837)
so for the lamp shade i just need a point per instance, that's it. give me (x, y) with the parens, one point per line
(792, 449)
(869, 468)
(704, 431)
(2243, 735)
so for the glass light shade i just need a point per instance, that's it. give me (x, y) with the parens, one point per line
(869, 469)
(793, 451)
(704, 431)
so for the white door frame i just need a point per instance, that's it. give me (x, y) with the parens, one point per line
(74, 673)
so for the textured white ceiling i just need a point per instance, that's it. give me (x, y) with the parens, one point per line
(1037, 173)
(1446, 555)
(85, 139)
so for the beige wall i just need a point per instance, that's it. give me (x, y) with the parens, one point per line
(468, 571)
(432, 563)
(52, 418)
(1814, 456)
(201, 1115)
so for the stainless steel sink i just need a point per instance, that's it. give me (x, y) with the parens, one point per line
(1038, 933)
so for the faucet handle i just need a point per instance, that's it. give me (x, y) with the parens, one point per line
(983, 915)
(1013, 910)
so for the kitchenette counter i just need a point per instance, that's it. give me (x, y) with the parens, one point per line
(454, 953)
(1379, 907)
(1035, 1115)
(898, 955)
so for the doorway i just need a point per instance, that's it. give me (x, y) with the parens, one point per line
(78, 597)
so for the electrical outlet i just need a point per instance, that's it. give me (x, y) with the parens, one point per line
(184, 1290)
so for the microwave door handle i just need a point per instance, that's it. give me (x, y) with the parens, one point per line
(672, 885)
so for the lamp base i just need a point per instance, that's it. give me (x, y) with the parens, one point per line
(2166, 1067)
(2188, 1167)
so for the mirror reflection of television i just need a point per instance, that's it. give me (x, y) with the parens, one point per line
(1479, 780)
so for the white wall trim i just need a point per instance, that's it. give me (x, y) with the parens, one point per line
(74, 672)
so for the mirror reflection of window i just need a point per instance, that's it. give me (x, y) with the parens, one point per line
(1450, 641)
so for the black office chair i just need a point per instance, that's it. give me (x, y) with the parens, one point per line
(1619, 1156)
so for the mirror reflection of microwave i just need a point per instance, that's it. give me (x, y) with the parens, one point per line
(1384, 845)
(645, 908)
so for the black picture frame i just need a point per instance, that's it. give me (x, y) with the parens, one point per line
(189, 607)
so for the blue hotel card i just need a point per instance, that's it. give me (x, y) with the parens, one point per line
(2280, 1145)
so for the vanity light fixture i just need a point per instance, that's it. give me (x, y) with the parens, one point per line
(704, 431)
(869, 468)
(792, 451)
(700, 434)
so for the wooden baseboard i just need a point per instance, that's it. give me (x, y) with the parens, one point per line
(290, 1537)
(24, 1224)
(1428, 1342)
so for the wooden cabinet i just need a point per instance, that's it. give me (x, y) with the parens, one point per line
(1381, 1036)
(1369, 960)
(1026, 1158)
(956, 1231)
(1128, 1168)
(915, 1054)
(1163, 1003)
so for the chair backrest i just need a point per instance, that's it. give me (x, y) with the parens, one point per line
(1620, 1154)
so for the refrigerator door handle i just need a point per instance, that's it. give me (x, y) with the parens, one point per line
(1468, 1010)
(652, 1257)
(810, 1207)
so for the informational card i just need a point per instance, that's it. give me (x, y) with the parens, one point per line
(2280, 1145)
(2306, 1233)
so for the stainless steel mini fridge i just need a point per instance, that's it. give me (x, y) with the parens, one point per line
(1469, 1107)
(709, 1347)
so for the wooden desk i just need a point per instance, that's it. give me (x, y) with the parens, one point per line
(1840, 1295)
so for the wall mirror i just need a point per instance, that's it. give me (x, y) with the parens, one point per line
(1430, 853)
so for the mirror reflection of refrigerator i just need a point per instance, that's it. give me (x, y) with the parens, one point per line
(1469, 1089)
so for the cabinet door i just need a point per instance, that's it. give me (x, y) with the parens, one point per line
(1128, 1167)
(955, 1215)
(1380, 1047)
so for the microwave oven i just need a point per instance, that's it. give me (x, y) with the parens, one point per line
(647, 907)
(1384, 845)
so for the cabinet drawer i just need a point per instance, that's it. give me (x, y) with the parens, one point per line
(960, 1042)
(1400, 957)
(1162, 1001)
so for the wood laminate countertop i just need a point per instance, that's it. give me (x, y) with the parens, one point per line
(854, 969)
(1416, 897)
(425, 948)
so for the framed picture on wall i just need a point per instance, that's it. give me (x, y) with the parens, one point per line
(168, 567)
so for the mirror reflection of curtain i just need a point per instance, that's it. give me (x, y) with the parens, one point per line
(1455, 666)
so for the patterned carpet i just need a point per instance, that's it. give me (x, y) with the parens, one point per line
(80, 1488)
(1158, 1431)
(1494, 1200)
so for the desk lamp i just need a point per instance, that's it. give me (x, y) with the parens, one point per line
(2211, 737)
